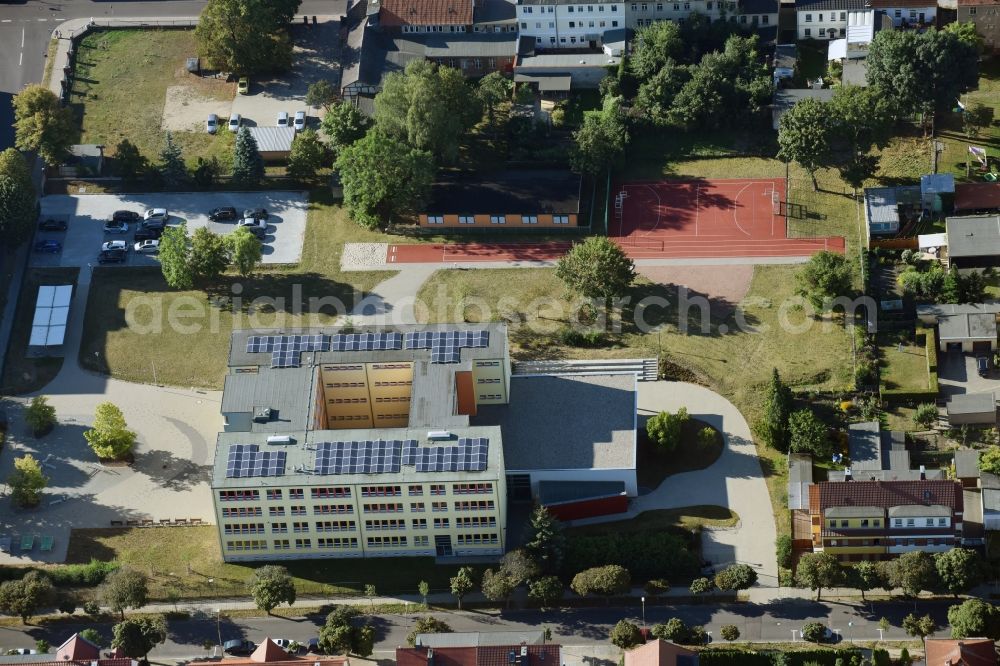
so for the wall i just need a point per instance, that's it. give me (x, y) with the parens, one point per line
(627, 476)
(911, 15)
(458, 221)
(604, 506)
(551, 24)
(820, 23)
(987, 20)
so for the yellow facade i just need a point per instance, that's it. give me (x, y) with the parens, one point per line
(367, 395)
(489, 381)
(870, 546)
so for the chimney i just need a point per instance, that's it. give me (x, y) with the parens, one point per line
(923, 473)
(847, 474)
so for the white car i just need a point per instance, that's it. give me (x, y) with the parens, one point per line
(283, 119)
(156, 214)
(114, 245)
(283, 643)
(148, 246)
(235, 121)
(212, 124)
(300, 121)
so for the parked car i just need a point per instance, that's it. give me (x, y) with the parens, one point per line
(256, 213)
(243, 87)
(224, 213)
(235, 121)
(148, 234)
(156, 214)
(983, 366)
(114, 245)
(148, 246)
(21, 651)
(300, 121)
(257, 227)
(48, 247)
(238, 648)
(212, 124)
(52, 225)
(111, 256)
(283, 643)
(312, 645)
(282, 119)
(115, 227)
(124, 216)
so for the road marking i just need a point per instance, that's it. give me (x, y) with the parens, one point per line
(6, 21)
(20, 58)
(22, 37)
(42, 20)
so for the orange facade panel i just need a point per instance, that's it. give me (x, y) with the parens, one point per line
(466, 392)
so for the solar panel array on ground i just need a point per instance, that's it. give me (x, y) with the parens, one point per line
(247, 460)
(387, 456)
(446, 346)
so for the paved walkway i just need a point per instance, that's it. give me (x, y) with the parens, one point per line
(735, 480)
(392, 302)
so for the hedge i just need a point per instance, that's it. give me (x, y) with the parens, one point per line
(646, 555)
(754, 658)
(91, 574)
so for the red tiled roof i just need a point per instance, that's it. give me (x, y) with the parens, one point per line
(497, 655)
(977, 3)
(395, 13)
(977, 196)
(967, 652)
(78, 648)
(458, 656)
(268, 652)
(885, 494)
(485, 655)
(656, 653)
(82, 662)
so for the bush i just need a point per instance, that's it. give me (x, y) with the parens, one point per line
(814, 632)
(81, 575)
(732, 657)
(92, 608)
(574, 338)
(865, 374)
(657, 586)
(880, 657)
(783, 549)
(926, 415)
(647, 555)
(673, 630)
(729, 632)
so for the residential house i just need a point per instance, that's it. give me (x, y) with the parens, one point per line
(75, 650)
(980, 198)
(268, 652)
(986, 15)
(824, 19)
(481, 655)
(658, 652)
(990, 486)
(567, 23)
(421, 16)
(558, 72)
(907, 13)
(888, 209)
(960, 652)
(786, 98)
(480, 639)
(973, 241)
(972, 409)
(851, 51)
(877, 520)
(879, 455)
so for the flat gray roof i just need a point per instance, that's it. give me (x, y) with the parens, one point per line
(865, 446)
(966, 463)
(972, 403)
(939, 309)
(967, 326)
(567, 60)
(919, 510)
(567, 422)
(301, 457)
(286, 391)
(973, 236)
(273, 139)
(481, 639)
(855, 72)
(546, 82)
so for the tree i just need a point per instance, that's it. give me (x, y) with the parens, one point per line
(977, 116)
(826, 276)
(904, 657)
(175, 257)
(18, 200)
(128, 163)
(818, 570)
(625, 635)
(664, 429)
(805, 135)
(92, 635)
(205, 173)
(653, 47)
(926, 415)
(337, 634)
(363, 643)
(989, 460)
(701, 586)
(39, 415)
(270, 586)
(544, 541)
(172, 169)
(919, 627)
(545, 590)
(248, 165)
(519, 565)
(371, 593)
(423, 588)
(606, 581)
(493, 90)
(729, 632)
(965, 31)
(383, 179)
(124, 588)
(600, 142)
(246, 36)
(860, 120)
(974, 617)
(674, 630)
(913, 571)
(865, 575)
(427, 106)
(245, 250)
(773, 426)
(42, 646)
(308, 155)
(656, 95)
(209, 255)
(136, 637)
(26, 481)
(814, 632)
(462, 584)
(427, 625)
(597, 268)
(343, 124)
(321, 93)
(22, 598)
(42, 124)
(958, 569)
(110, 437)
(498, 586)
(736, 577)
(808, 434)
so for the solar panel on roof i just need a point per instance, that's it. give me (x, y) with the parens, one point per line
(247, 460)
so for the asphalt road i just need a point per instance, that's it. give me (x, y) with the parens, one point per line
(576, 627)
(26, 27)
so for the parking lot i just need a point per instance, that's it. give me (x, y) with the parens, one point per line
(86, 215)
(957, 374)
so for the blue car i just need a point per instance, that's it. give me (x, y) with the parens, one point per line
(48, 246)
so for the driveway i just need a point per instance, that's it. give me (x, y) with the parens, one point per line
(957, 374)
(86, 214)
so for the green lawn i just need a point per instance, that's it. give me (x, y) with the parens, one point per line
(653, 464)
(183, 560)
(902, 368)
(124, 305)
(120, 83)
(689, 517)
(952, 135)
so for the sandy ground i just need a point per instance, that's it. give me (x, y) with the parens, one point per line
(724, 285)
(185, 110)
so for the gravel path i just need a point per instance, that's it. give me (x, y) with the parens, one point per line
(363, 256)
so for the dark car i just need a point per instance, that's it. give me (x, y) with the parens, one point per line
(256, 213)
(52, 225)
(148, 234)
(48, 246)
(124, 216)
(983, 366)
(221, 214)
(238, 647)
(312, 645)
(112, 256)
(155, 223)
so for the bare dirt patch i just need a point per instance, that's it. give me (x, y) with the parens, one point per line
(724, 286)
(186, 108)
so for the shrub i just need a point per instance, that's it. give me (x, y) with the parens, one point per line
(81, 575)
(646, 555)
(673, 630)
(657, 586)
(813, 632)
(783, 549)
(926, 415)
(729, 632)
(92, 608)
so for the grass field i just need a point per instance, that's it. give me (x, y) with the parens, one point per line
(689, 517)
(120, 82)
(185, 561)
(653, 465)
(902, 367)
(951, 134)
(198, 357)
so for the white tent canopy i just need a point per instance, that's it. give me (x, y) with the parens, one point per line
(48, 328)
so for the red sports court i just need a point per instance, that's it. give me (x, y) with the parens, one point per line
(707, 219)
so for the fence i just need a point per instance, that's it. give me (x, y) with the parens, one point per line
(895, 243)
